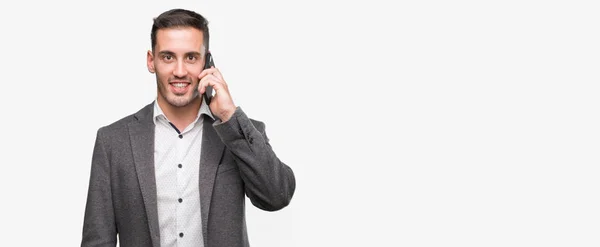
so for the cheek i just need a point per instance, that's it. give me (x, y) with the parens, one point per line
(194, 70)
(163, 70)
(162, 78)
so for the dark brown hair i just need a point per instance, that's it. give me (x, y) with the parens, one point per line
(176, 18)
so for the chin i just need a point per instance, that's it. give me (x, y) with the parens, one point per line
(181, 101)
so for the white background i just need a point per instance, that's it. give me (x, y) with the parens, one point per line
(407, 123)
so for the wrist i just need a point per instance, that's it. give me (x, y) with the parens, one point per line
(227, 114)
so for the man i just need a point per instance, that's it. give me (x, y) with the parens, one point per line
(176, 172)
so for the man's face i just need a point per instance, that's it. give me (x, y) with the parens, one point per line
(177, 61)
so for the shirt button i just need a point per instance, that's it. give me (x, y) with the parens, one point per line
(179, 165)
(181, 234)
(180, 136)
(180, 200)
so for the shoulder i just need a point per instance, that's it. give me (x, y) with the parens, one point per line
(258, 124)
(121, 126)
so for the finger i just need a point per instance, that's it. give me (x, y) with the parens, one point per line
(206, 72)
(208, 80)
(202, 85)
(217, 87)
(213, 78)
(218, 74)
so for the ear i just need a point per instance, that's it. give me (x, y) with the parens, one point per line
(150, 62)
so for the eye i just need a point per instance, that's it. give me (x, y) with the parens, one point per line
(192, 58)
(167, 57)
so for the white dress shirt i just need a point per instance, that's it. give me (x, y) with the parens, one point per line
(177, 169)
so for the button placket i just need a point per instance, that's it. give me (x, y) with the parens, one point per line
(180, 181)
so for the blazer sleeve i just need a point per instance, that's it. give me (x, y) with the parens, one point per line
(99, 227)
(269, 183)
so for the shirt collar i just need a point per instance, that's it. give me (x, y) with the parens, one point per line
(204, 109)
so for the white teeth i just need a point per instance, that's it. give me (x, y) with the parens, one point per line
(180, 85)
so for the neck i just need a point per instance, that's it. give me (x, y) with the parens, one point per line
(182, 116)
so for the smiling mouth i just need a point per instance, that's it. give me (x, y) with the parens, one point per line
(180, 84)
(180, 88)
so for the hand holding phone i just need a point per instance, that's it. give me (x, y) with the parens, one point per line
(224, 107)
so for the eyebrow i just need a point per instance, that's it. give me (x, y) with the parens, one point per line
(195, 53)
(163, 53)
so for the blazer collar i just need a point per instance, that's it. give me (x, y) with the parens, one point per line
(211, 153)
(141, 134)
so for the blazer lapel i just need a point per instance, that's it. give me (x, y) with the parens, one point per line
(212, 150)
(141, 134)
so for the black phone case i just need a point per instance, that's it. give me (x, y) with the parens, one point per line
(209, 89)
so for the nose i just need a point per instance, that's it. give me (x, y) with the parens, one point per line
(180, 70)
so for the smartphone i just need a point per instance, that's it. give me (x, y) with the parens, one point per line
(208, 62)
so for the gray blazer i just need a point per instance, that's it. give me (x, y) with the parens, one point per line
(236, 160)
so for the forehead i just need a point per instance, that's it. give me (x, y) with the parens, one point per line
(177, 40)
